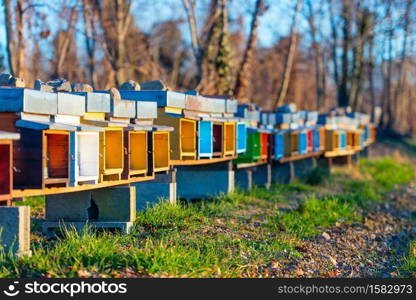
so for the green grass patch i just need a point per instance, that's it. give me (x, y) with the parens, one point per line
(386, 172)
(228, 236)
(313, 215)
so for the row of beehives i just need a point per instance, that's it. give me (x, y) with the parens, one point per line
(286, 133)
(69, 139)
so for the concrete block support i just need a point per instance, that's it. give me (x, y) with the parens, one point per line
(262, 176)
(162, 188)
(303, 167)
(344, 160)
(113, 207)
(282, 173)
(243, 178)
(204, 181)
(15, 230)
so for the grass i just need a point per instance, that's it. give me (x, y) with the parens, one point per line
(230, 236)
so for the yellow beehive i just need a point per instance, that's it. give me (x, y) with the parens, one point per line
(182, 138)
(161, 151)
(229, 138)
(111, 153)
(332, 140)
(135, 153)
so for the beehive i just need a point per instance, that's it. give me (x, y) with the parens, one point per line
(350, 140)
(183, 138)
(264, 145)
(279, 150)
(291, 143)
(84, 154)
(322, 135)
(6, 163)
(161, 151)
(332, 140)
(253, 150)
(373, 133)
(229, 138)
(205, 139)
(310, 135)
(135, 153)
(342, 140)
(303, 142)
(218, 139)
(241, 137)
(271, 145)
(56, 147)
(111, 154)
(316, 139)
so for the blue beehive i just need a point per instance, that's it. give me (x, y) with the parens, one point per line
(205, 139)
(342, 140)
(279, 149)
(316, 140)
(241, 138)
(303, 142)
(367, 133)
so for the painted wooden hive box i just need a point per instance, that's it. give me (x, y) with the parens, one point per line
(279, 150)
(316, 139)
(84, 142)
(310, 136)
(6, 166)
(218, 139)
(241, 137)
(264, 144)
(160, 149)
(205, 139)
(332, 140)
(183, 138)
(111, 138)
(291, 142)
(303, 142)
(42, 156)
(342, 140)
(271, 146)
(253, 151)
(136, 145)
(230, 132)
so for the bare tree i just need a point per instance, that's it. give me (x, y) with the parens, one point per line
(65, 40)
(90, 19)
(115, 25)
(320, 76)
(9, 35)
(242, 86)
(280, 99)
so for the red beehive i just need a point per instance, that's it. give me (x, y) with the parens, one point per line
(6, 164)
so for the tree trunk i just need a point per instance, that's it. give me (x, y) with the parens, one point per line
(343, 93)
(243, 83)
(9, 36)
(64, 47)
(319, 65)
(281, 97)
(90, 18)
(20, 63)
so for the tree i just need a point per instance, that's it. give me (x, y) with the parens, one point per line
(281, 96)
(244, 75)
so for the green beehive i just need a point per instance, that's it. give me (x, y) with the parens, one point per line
(253, 151)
